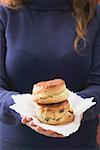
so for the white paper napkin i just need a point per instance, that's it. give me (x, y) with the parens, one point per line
(24, 106)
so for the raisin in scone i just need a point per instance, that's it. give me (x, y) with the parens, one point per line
(55, 114)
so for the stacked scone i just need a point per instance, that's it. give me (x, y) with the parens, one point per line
(50, 98)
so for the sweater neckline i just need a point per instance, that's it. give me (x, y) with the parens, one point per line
(48, 4)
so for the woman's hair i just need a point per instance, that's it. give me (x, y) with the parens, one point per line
(84, 11)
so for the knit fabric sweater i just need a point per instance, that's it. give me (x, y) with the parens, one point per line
(36, 44)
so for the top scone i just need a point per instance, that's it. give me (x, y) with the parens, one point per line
(49, 92)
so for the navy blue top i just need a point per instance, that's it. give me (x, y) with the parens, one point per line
(36, 43)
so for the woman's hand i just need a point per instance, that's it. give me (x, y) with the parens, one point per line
(29, 122)
(81, 116)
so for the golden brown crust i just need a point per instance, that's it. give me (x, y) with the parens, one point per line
(53, 91)
(49, 98)
(45, 85)
(50, 83)
(55, 114)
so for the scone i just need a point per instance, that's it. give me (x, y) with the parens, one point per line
(50, 92)
(55, 114)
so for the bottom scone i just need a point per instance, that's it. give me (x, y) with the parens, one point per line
(55, 114)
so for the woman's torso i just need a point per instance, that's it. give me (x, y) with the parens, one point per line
(40, 47)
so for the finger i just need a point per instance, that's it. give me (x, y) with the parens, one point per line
(29, 119)
(41, 131)
(24, 120)
(31, 125)
(53, 134)
(57, 135)
(81, 116)
(48, 132)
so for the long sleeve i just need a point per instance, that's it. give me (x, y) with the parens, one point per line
(47, 51)
(93, 81)
(6, 115)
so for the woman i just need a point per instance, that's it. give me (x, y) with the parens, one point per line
(42, 40)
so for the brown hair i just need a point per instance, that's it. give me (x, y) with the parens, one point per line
(84, 11)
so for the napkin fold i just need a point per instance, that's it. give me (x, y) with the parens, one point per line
(24, 105)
